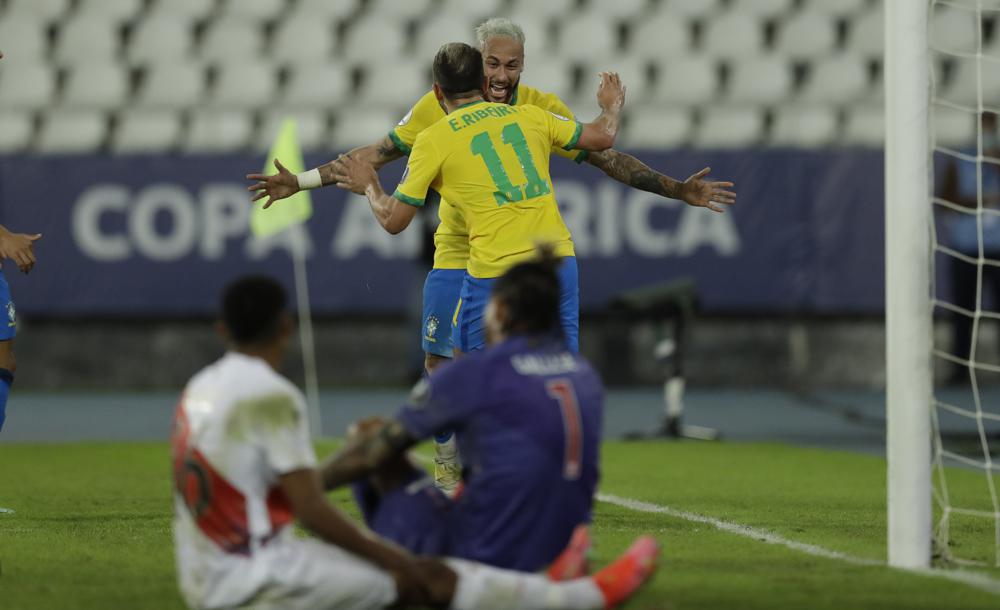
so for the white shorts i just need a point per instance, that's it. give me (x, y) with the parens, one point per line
(306, 574)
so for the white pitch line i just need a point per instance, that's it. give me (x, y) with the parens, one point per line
(973, 579)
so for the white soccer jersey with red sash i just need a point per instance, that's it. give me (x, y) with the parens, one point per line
(238, 427)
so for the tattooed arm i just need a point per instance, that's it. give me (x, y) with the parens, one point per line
(380, 441)
(694, 191)
(285, 184)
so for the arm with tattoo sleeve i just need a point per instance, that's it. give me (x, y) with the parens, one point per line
(631, 171)
(366, 453)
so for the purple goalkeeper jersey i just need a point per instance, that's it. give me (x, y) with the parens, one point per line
(527, 414)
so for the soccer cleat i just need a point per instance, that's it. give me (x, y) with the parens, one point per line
(447, 474)
(572, 562)
(620, 580)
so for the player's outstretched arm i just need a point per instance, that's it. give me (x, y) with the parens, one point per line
(18, 247)
(372, 443)
(285, 184)
(600, 133)
(694, 191)
(360, 178)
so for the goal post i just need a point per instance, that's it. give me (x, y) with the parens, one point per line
(908, 314)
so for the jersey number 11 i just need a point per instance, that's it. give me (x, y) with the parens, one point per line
(507, 192)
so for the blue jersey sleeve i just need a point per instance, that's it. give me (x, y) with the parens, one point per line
(445, 400)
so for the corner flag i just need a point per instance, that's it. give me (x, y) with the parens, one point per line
(298, 207)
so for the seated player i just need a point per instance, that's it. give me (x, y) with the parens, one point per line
(244, 469)
(527, 413)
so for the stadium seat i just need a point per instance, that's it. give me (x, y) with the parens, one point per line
(963, 87)
(399, 11)
(45, 10)
(954, 30)
(691, 9)
(807, 36)
(231, 40)
(866, 35)
(117, 11)
(550, 9)
(733, 36)
(840, 8)
(312, 126)
(659, 38)
(953, 128)
(248, 84)
(188, 11)
(303, 39)
(729, 128)
(656, 127)
(96, 86)
(23, 38)
(839, 79)
(759, 80)
(87, 40)
(323, 10)
(158, 40)
(362, 126)
(317, 85)
(804, 127)
(633, 70)
(762, 9)
(395, 83)
(588, 37)
(146, 131)
(687, 80)
(865, 126)
(216, 131)
(26, 86)
(358, 45)
(71, 131)
(551, 75)
(253, 10)
(16, 129)
(537, 34)
(436, 32)
(631, 10)
(479, 10)
(172, 86)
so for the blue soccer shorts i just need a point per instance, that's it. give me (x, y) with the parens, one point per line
(469, 333)
(441, 290)
(8, 326)
(416, 515)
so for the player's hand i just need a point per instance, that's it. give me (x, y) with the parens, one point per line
(274, 187)
(703, 194)
(353, 174)
(611, 92)
(19, 247)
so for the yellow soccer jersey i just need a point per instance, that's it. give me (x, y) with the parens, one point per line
(492, 162)
(451, 239)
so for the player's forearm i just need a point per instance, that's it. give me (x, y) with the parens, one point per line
(608, 123)
(362, 457)
(334, 527)
(377, 155)
(631, 171)
(345, 467)
(382, 205)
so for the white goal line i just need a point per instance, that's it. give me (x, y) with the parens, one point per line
(974, 579)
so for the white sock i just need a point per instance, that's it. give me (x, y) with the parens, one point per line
(446, 450)
(481, 587)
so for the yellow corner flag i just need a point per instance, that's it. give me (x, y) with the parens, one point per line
(295, 209)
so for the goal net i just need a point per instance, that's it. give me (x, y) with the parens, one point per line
(964, 66)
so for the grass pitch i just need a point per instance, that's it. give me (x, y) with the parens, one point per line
(91, 528)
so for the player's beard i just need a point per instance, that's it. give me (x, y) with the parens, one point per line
(506, 96)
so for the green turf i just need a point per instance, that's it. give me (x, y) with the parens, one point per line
(92, 528)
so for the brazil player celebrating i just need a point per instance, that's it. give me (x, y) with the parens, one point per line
(502, 44)
(490, 160)
(18, 247)
(528, 415)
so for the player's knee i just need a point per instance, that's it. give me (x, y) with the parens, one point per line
(432, 361)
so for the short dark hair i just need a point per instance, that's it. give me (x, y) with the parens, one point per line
(252, 308)
(531, 292)
(458, 69)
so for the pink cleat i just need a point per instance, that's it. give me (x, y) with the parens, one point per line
(572, 562)
(621, 579)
